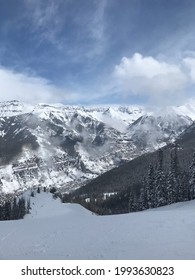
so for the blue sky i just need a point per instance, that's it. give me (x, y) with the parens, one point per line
(97, 51)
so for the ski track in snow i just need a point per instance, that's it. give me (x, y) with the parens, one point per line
(68, 231)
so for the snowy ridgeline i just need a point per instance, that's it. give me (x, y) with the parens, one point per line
(68, 146)
(67, 231)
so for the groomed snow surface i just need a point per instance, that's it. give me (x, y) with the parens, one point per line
(68, 231)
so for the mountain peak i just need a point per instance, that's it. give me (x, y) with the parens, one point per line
(65, 146)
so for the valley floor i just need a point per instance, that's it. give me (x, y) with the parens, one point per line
(67, 231)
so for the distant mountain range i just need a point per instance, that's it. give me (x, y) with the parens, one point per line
(68, 146)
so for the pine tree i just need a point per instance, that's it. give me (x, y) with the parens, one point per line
(15, 210)
(133, 202)
(160, 159)
(12, 208)
(22, 207)
(173, 179)
(177, 174)
(184, 186)
(130, 202)
(160, 189)
(150, 187)
(3, 212)
(142, 200)
(192, 179)
(7, 212)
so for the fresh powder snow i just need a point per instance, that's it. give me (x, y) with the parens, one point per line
(68, 231)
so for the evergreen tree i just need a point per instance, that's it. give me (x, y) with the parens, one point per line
(7, 211)
(28, 206)
(160, 159)
(142, 200)
(173, 179)
(3, 212)
(171, 188)
(160, 188)
(130, 201)
(192, 179)
(15, 210)
(160, 191)
(12, 208)
(184, 186)
(133, 203)
(22, 207)
(150, 187)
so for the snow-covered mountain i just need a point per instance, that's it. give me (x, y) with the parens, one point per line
(54, 231)
(65, 146)
(157, 129)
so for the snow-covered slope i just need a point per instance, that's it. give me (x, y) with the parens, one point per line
(66, 146)
(68, 231)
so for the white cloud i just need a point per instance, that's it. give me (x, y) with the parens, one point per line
(30, 89)
(162, 82)
(150, 77)
(189, 62)
(33, 89)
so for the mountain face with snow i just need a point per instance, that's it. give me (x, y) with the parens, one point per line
(66, 146)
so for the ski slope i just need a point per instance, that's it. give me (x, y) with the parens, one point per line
(68, 231)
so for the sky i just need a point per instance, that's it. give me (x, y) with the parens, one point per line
(97, 51)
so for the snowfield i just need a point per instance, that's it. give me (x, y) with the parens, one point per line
(68, 231)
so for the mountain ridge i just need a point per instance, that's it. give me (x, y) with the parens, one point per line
(67, 146)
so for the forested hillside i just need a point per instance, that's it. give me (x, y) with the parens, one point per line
(152, 180)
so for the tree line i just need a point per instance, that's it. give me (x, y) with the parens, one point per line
(14, 208)
(161, 186)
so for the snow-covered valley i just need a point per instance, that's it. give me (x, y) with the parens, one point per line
(67, 231)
